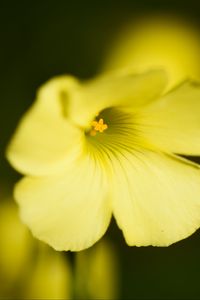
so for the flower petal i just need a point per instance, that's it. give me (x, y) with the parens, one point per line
(121, 89)
(173, 122)
(70, 211)
(166, 41)
(156, 198)
(50, 276)
(45, 141)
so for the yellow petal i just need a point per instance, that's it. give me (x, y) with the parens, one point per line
(121, 89)
(50, 277)
(14, 235)
(70, 211)
(173, 122)
(103, 272)
(97, 272)
(156, 198)
(45, 141)
(158, 40)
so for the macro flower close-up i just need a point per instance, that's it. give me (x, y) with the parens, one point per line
(112, 145)
(100, 150)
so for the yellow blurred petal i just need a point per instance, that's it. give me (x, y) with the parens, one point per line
(121, 89)
(50, 277)
(96, 272)
(158, 41)
(70, 211)
(156, 198)
(103, 274)
(173, 122)
(15, 244)
(45, 142)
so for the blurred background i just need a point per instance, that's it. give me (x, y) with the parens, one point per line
(42, 39)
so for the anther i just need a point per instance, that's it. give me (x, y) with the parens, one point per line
(99, 126)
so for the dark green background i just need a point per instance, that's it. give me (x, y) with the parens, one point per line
(41, 39)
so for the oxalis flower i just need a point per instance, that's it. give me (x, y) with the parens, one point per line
(109, 146)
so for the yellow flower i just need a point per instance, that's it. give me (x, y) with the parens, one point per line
(14, 235)
(158, 40)
(75, 179)
(97, 272)
(51, 276)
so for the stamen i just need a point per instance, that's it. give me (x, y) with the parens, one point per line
(99, 126)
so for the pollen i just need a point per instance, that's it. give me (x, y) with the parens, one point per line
(98, 126)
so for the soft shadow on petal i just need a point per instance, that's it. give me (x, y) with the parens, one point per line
(156, 198)
(70, 211)
(45, 141)
(173, 122)
(117, 89)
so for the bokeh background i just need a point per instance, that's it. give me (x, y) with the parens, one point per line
(41, 39)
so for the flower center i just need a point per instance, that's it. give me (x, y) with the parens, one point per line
(113, 133)
(98, 126)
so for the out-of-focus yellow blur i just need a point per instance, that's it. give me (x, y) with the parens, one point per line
(29, 269)
(158, 41)
(97, 272)
(15, 244)
(50, 277)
